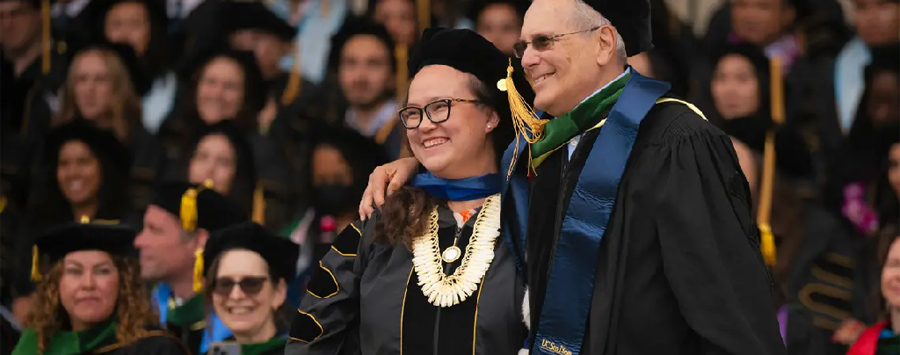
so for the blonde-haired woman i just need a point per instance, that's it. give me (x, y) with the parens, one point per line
(91, 298)
(102, 87)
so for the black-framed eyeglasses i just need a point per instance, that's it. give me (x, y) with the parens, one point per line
(437, 111)
(250, 286)
(543, 42)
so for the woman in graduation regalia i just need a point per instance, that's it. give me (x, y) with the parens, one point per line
(883, 338)
(248, 270)
(429, 274)
(91, 299)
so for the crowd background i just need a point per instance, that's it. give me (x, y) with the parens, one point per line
(288, 105)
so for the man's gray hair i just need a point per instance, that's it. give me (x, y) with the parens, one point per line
(585, 17)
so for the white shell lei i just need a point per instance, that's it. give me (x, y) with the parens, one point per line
(447, 291)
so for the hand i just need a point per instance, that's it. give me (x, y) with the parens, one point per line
(397, 173)
(847, 333)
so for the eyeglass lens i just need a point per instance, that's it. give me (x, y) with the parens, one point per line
(249, 285)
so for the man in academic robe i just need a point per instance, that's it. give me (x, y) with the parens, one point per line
(177, 224)
(628, 212)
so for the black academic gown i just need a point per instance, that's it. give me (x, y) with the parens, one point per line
(365, 299)
(679, 270)
(157, 344)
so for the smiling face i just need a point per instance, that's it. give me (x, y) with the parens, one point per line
(78, 173)
(91, 85)
(246, 313)
(460, 146)
(88, 287)
(220, 90)
(567, 72)
(214, 159)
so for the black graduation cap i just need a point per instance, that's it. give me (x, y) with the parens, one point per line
(105, 146)
(468, 52)
(254, 15)
(198, 206)
(355, 26)
(128, 57)
(108, 236)
(280, 253)
(884, 58)
(631, 19)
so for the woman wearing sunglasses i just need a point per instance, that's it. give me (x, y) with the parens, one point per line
(429, 273)
(90, 299)
(247, 271)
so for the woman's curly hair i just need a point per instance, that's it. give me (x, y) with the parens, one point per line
(133, 313)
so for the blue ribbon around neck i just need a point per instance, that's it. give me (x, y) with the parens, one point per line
(467, 189)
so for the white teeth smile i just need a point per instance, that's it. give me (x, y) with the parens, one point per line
(434, 142)
(76, 185)
(239, 310)
(541, 78)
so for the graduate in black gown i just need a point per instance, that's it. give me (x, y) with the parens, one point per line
(627, 212)
(90, 298)
(247, 273)
(430, 274)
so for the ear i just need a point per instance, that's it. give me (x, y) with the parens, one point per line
(606, 38)
(280, 294)
(202, 237)
(492, 122)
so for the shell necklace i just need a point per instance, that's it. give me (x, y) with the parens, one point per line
(449, 290)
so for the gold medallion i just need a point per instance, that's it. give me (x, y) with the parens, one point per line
(451, 254)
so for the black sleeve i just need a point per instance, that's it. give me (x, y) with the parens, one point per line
(326, 319)
(709, 243)
(158, 344)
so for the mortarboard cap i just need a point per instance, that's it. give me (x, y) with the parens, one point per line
(280, 253)
(469, 52)
(198, 206)
(357, 26)
(108, 236)
(254, 15)
(104, 145)
(631, 19)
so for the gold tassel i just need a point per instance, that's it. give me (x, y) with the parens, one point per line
(45, 36)
(295, 84)
(198, 271)
(85, 220)
(208, 184)
(424, 10)
(35, 264)
(402, 53)
(188, 211)
(2, 204)
(259, 204)
(525, 120)
(764, 210)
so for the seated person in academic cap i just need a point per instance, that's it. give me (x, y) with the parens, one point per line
(252, 26)
(626, 210)
(90, 297)
(87, 173)
(430, 273)
(247, 273)
(177, 224)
